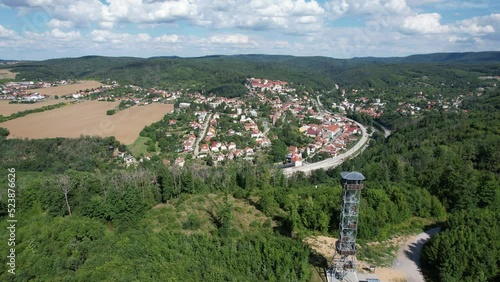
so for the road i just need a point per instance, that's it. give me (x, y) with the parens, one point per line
(408, 260)
(331, 162)
(387, 131)
(202, 135)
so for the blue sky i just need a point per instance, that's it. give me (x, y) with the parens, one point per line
(43, 29)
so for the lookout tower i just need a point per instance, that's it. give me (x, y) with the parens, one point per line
(343, 265)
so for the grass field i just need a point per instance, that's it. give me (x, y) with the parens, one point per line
(7, 74)
(67, 89)
(138, 147)
(7, 109)
(174, 215)
(87, 118)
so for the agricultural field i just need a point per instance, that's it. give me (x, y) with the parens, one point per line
(67, 89)
(7, 109)
(87, 118)
(7, 74)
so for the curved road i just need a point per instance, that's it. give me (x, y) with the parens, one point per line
(408, 260)
(331, 162)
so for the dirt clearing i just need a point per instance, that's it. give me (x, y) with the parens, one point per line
(68, 88)
(7, 109)
(325, 246)
(87, 118)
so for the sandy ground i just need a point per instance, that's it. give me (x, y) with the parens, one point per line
(408, 260)
(7, 74)
(7, 109)
(405, 268)
(87, 118)
(67, 89)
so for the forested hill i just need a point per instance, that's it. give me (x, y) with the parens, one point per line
(455, 157)
(466, 57)
(210, 72)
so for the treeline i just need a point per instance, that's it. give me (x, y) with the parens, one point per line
(32, 111)
(59, 154)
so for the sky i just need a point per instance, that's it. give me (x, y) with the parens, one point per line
(44, 29)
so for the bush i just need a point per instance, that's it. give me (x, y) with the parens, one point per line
(111, 112)
(4, 132)
(193, 222)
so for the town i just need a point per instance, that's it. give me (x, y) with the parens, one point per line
(273, 121)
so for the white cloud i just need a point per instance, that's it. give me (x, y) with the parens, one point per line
(168, 38)
(137, 11)
(71, 35)
(425, 24)
(54, 34)
(55, 23)
(6, 33)
(229, 39)
(107, 36)
(391, 27)
(288, 16)
(374, 8)
(475, 29)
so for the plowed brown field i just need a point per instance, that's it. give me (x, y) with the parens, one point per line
(7, 74)
(7, 109)
(67, 89)
(87, 118)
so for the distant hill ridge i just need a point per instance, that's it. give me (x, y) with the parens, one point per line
(227, 71)
(465, 57)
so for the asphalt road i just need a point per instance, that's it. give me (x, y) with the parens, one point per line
(202, 135)
(331, 162)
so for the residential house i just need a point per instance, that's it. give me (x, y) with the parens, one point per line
(204, 148)
(220, 157)
(231, 146)
(180, 161)
(248, 151)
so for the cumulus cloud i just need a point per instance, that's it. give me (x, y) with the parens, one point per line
(55, 23)
(173, 38)
(390, 27)
(54, 34)
(289, 16)
(137, 11)
(425, 24)
(229, 39)
(6, 33)
(71, 35)
(340, 8)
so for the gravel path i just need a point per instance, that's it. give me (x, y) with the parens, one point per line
(408, 260)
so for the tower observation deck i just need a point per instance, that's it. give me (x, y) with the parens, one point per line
(343, 264)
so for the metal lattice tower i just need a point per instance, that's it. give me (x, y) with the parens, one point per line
(344, 260)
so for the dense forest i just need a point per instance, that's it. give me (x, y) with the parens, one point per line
(456, 158)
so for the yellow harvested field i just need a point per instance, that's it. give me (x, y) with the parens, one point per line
(87, 118)
(67, 89)
(7, 74)
(7, 109)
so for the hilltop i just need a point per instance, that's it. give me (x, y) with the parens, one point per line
(210, 72)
